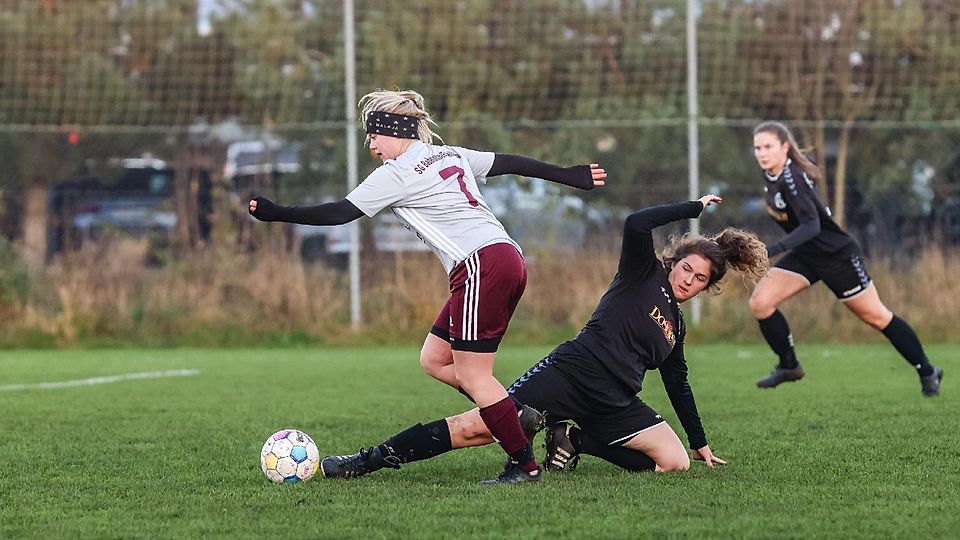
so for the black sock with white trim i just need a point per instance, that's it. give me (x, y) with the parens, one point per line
(905, 340)
(777, 333)
(419, 442)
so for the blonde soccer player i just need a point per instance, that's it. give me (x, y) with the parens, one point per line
(433, 190)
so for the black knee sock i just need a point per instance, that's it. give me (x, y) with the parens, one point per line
(905, 340)
(631, 460)
(418, 442)
(777, 333)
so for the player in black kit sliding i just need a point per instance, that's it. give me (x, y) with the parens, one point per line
(593, 379)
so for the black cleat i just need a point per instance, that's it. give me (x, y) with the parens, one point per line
(781, 375)
(561, 454)
(515, 475)
(366, 461)
(532, 421)
(930, 385)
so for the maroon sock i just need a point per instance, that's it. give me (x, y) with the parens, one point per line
(502, 421)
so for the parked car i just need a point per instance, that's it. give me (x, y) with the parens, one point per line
(251, 158)
(137, 201)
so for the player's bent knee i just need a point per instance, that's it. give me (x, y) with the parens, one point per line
(761, 307)
(435, 355)
(679, 461)
(433, 363)
(877, 318)
(878, 323)
(428, 364)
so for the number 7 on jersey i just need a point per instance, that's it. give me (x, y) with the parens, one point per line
(454, 170)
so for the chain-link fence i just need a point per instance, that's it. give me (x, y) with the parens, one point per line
(156, 120)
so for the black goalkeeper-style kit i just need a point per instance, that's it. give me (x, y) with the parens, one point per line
(818, 248)
(637, 326)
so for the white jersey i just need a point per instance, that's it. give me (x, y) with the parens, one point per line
(433, 191)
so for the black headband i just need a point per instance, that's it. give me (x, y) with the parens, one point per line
(394, 125)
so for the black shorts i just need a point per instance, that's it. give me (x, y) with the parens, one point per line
(843, 272)
(547, 389)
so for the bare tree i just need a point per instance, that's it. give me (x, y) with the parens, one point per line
(832, 62)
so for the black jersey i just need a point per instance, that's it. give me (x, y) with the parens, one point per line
(637, 326)
(793, 203)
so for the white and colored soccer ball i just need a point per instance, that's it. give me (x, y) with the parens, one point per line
(289, 456)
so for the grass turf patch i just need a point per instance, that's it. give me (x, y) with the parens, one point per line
(853, 450)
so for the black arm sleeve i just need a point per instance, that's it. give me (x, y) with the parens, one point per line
(803, 200)
(674, 374)
(578, 176)
(804, 232)
(336, 213)
(637, 254)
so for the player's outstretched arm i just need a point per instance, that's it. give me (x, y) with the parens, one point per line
(335, 213)
(578, 176)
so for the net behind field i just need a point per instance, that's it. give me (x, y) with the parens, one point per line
(84, 84)
(165, 64)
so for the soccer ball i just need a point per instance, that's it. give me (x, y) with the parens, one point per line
(289, 456)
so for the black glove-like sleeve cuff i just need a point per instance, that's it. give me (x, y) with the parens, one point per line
(335, 213)
(578, 176)
(267, 210)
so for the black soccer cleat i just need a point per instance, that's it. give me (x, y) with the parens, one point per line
(366, 461)
(561, 454)
(930, 385)
(532, 421)
(515, 475)
(781, 375)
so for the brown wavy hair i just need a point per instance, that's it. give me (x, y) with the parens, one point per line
(730, 248)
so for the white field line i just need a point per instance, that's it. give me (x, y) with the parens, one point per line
(102, 380)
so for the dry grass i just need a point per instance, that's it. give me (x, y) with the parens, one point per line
(111, 294)
(927, 295)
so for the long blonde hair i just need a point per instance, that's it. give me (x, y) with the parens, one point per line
(793, 152)
(405, 102)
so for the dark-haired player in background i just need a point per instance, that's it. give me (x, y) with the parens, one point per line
(594, 378)
(433, 190)
(816, 249)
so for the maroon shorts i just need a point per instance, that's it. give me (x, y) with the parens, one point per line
(484, 292)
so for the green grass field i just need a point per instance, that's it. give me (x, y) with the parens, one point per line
(853, 450)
